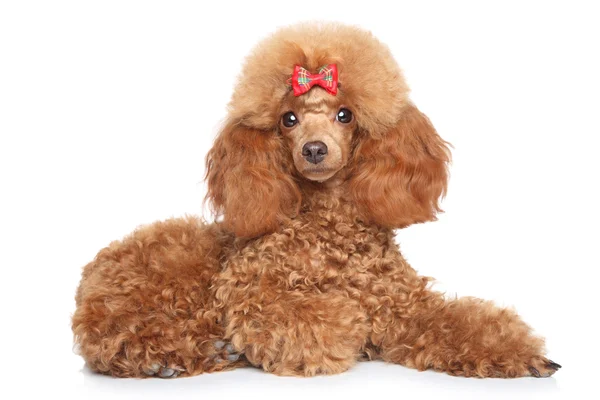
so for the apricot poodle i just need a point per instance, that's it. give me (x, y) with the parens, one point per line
(322, 156)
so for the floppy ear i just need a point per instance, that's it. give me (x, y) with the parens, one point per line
(248, 182)
(398, 176)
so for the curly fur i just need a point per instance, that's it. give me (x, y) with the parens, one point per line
(301, 277)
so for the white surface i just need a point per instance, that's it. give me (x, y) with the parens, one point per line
(108, 108)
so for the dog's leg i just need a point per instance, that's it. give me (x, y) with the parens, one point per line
(466, 336)
(299, 334)
(144, 304)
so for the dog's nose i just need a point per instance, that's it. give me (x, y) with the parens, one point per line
(314, 152)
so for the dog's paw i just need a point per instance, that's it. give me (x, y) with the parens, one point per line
(161, 371)
(541, 367)
(225, 352)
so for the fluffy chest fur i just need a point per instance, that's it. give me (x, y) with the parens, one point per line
(325, 247)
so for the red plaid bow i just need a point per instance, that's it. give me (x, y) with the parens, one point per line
(327, 78)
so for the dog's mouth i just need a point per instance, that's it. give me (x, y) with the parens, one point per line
(319, 173)
(318, 170)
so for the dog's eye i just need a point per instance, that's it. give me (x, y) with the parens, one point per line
(344, 116)
(289, 119)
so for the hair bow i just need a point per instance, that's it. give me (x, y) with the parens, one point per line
(327, 78)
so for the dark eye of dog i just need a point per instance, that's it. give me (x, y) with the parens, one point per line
(289, 119)
(344, 116)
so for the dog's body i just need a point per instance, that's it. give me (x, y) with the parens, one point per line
(302, 276)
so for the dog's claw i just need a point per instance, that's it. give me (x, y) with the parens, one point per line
(153, 369)
(166, 373)
(161, 372)
(225, 352)
(554, 365)
(535, 372)
(219, 344)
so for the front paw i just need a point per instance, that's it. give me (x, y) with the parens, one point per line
(306, 336)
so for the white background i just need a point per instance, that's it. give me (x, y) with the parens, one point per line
(108, 108)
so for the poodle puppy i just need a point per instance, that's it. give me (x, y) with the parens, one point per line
(321, 157)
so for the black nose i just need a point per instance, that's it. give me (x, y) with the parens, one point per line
(314, 152)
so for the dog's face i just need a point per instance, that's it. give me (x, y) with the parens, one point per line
(317, 130)
(368, 140)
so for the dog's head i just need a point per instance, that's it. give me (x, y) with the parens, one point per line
(368, 136)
